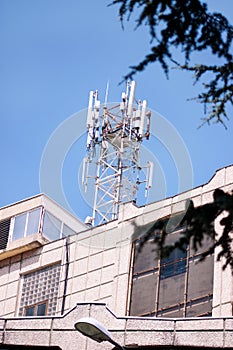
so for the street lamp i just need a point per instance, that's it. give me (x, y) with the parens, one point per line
(93, 329)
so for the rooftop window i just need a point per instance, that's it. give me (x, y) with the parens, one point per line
(26, 224)
(32, 222)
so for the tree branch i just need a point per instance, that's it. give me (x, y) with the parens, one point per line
(187, 27)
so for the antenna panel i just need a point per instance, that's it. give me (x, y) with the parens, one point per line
(114, 137)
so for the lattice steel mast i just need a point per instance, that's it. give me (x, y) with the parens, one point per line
(114, 137)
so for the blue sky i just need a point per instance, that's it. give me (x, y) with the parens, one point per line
(53, 52)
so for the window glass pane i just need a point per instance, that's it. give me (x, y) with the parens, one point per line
(200, 281)
(199, 309)
(175, 263)
(67, 231)
(172, 269)
(33, 221)
(41, 309)
(19, 226)
(171, 291)
(175, 255)
(30, 311)
(51, 226)
(206, 243)
(143, 295)
(146, 258)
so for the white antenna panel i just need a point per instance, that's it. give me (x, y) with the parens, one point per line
(131, 98)
(89, 110)
(137, 118)
(143, 115)
(97, 105)
(150, 174)
(114, 137)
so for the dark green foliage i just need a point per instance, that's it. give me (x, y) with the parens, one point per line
(188, 27)
(199, 224)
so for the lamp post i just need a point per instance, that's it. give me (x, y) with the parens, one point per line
(93, 329)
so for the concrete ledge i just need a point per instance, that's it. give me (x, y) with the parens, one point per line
(132, 332)
(23, 245)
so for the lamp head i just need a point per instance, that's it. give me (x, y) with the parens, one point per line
(91, 328)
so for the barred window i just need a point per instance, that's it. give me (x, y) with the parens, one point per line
(180, 285)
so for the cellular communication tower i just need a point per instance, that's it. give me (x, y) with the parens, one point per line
(114, 137)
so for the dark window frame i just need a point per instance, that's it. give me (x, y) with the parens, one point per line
(172, 267)
(35, 311)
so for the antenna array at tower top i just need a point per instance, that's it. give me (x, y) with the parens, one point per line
(114, 135)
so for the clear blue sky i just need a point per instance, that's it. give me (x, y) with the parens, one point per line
(52, 53)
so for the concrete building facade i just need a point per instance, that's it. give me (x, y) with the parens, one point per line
(54, 270)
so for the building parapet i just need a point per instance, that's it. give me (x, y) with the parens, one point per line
(130, 332)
